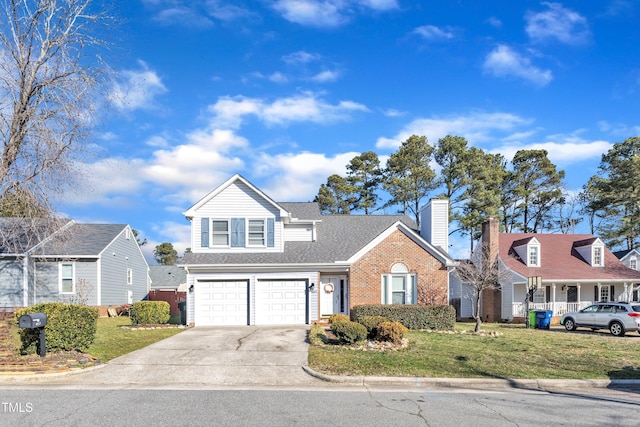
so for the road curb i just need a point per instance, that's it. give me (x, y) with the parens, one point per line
(475, 383)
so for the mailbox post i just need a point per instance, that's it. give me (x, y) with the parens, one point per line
(35, 321)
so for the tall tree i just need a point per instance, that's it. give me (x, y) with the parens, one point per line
(141, 242)
(51, 77)
(482, 196)
(537, 187)
(451, 154)
(618, 187)
(365, 175)
(337, 196)
(408, 177)
(165, 254)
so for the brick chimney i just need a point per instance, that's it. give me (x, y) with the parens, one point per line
(491, 298)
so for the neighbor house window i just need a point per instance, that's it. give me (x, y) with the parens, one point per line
(220, 232)
(534, 256)
(256, 232)
(129, 276)
(633, 263)
(539, 296)
(127, 233)
(604, 293)
(597, 256)
(66, 278)
(399, 287)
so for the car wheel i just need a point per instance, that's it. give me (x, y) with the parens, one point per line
(616, 329)
(569, 325)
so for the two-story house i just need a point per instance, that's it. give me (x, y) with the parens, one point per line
(254, 261)
(571, 271)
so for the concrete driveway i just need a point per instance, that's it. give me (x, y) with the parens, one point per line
(210, 356)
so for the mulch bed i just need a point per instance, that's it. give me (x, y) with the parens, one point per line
(12, 362)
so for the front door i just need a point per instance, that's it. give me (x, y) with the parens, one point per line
(334, 296)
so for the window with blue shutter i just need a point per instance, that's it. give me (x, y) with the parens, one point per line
(238, 233)
(204, 232)
(271, 232)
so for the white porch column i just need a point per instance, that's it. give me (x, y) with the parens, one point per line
(578, 286)
(553, 297)
(599, 292)
(626, 292)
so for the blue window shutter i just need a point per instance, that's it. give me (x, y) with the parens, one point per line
(204, 232)
(237, 233)
(271, 232)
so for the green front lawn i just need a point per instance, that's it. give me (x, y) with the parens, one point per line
(113, 341)
(514, 352)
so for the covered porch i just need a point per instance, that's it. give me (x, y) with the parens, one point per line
(561, 298)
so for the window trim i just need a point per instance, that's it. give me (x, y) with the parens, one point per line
(533, 249)
(61, 278)
(597, 261)
(213, 233)
(129, 276)
(633, 263)
(263, 221)
(410, 292)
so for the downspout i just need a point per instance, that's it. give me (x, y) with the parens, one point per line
(99, 282)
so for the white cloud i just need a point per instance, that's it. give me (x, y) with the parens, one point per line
(230, 111)
(557, 23)
(494, 22)
(178, 234)
(311, 13)
(327, 13)
(475, 127)
(562, 149)
(392, 112)
(301, 57)
(298, 176)
(433, 33)
(137, 89)
(505, 62)
(326, 76)
(195, 13)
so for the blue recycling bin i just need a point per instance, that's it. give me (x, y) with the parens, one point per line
(543, 319)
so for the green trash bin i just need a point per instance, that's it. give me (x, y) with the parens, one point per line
(532, 318)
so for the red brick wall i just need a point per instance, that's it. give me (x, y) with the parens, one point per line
(365, 278)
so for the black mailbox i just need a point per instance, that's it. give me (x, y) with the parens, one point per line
(33, 320)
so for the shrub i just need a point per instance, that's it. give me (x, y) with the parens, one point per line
(338, 318)
(371, 323)
(392, 332)
(436, 317)
(149, 312)
(69, 327)
(317, 335)
(349, 332)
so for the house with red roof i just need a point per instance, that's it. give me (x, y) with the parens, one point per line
(574, 270)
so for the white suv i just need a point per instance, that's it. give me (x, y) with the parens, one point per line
(618, 317)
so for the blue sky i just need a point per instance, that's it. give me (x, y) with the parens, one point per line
(286, 92)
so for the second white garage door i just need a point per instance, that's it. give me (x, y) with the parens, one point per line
(281, 302)
(221, 303)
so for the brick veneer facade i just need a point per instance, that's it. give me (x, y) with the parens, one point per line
(366, 273)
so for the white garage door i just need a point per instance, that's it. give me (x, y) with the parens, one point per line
(221, 303)
(281, 302)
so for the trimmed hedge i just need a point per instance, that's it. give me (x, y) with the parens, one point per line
(338, 318)
(435, 317)
(69, 327)
(349, 332)
(149, 312)
(317, 335)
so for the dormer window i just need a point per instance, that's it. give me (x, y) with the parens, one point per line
(633, 263)
(533, 255)
(598, 260)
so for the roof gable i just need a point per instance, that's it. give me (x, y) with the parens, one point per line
(560, 259)
(191, 212)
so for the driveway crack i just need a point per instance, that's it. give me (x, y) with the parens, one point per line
(241, 339)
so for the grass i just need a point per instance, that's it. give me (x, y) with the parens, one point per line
(512, 352)
(113, 341)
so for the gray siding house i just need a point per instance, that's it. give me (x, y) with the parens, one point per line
(92, 264)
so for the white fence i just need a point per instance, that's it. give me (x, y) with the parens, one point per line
(558, 308)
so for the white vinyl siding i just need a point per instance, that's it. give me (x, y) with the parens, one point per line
(298, 233)
(129, 276)
(236, 201)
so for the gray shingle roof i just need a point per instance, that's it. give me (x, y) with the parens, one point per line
(166, 276)
(339, 238)
(303, 210)
(82, 240)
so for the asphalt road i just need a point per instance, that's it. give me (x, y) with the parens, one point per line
(331, 406)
